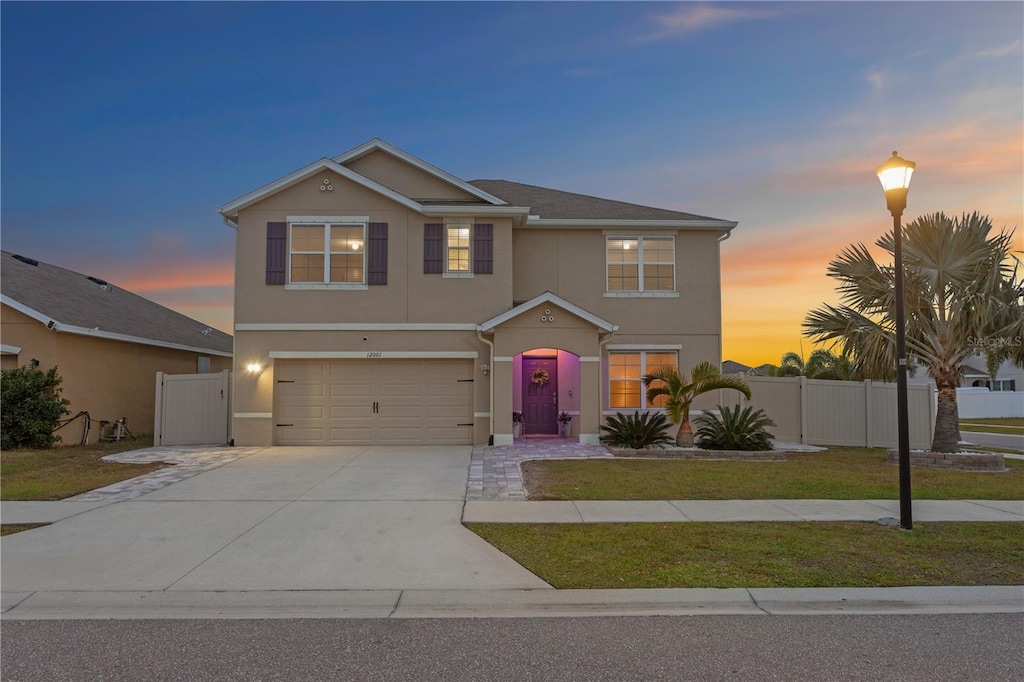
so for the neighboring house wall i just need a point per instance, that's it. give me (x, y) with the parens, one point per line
(108, 379)
(404, 179)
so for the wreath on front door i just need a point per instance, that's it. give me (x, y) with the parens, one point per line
(540, 377)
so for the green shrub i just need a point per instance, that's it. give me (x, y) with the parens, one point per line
(31, 407)
(736, 429)
(636, 431)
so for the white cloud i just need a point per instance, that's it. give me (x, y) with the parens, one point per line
(692, 18)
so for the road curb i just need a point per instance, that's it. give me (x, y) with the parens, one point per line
(511, 603)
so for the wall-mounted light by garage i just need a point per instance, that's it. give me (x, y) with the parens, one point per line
(33, 363)
(485, 368)
(253, 367)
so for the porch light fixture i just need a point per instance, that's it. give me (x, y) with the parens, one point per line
(253, 368)
(894, 175)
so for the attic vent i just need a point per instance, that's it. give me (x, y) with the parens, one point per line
(101, 282)
(26, 259)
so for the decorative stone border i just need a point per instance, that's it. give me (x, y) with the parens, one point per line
(695, 453)
(958, 461)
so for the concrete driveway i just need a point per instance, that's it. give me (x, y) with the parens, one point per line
(336, 518)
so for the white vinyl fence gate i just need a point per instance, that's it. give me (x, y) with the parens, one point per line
(192, 409)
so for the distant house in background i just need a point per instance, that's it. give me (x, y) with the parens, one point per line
(108, 343)
(733, 367)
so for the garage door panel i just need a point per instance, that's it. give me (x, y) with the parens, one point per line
(418, 402)
(302, 412)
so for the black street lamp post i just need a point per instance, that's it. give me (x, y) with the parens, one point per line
(895, 177)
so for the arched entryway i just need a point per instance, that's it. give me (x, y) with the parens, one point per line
(546, 392)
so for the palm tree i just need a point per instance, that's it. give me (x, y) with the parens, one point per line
(822, 364)
(956, 278)
(680, 393)
(791, 365)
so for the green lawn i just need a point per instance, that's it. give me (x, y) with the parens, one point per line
(594, 556)
(841, 474)
(995, 421)
(1011, 425)
(57, 473)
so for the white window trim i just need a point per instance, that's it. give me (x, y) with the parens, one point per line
(327, 222)
(458, 222)
(643, 371)
(641, 293)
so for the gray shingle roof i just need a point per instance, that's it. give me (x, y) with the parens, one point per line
(733, 367)
(71, 298)
(555, 204)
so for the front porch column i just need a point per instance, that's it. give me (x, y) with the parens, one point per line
(501, 375)
(590, 400)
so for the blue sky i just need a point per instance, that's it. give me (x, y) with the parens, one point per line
(125, 124)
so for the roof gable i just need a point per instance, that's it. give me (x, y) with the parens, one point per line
(79, 304)
(232, 208)
(553, 299)
(377, 144)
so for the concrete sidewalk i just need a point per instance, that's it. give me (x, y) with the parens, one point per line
(661, 511)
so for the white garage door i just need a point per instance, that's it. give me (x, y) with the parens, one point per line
(373, 402)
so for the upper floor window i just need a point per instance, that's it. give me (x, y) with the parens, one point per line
(458, 238)
(328, 253)
(641, 264)
(625, 373)
(1005, 385)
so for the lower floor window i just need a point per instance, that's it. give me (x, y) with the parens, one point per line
(626, 371)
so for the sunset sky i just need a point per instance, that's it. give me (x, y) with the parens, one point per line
(124, 125)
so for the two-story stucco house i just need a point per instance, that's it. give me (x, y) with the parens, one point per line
(382, 300)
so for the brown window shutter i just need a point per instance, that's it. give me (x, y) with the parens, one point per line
(483, 249)
(277, 252)
(433, 248)
(377, 254)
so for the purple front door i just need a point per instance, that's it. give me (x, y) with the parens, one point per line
(540, 398)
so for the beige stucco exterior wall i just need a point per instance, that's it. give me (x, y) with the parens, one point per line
(108, 379)
(569, 262)
(405, 179)
(409, 296)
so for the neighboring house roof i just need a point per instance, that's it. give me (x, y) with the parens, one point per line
(553, 204)
(79, 304)
(970, 370)
(762, 370)
(732, 367)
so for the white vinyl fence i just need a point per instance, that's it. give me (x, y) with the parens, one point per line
(819, 412)
(978, 403)
(192, 409)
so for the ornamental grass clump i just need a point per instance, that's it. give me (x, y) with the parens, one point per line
(636, 431)
(736, 429)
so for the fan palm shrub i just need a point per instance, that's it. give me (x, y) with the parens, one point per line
(959, 287)
(736, 429)
(636, 431)
(680, 392)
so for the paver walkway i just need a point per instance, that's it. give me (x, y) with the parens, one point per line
(190, 460)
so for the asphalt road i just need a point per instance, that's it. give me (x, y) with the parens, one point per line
(844, 647)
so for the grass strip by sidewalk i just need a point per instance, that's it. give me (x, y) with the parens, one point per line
(840, 474)
(61, 472)
(994, 421)
(979, 428)
(798, 554)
